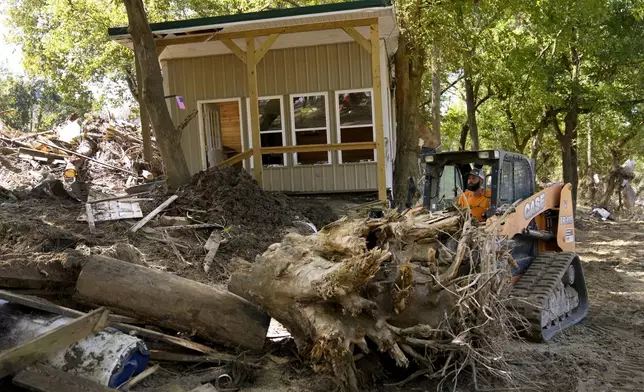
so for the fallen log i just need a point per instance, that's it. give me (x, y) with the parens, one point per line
(39, 271)
(406, 284)
(172, 302)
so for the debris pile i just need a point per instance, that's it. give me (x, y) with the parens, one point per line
(254, 218)
(426, 289)
(106, 153)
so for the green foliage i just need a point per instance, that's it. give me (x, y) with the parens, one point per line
(66, 41)
(531, 57)
(34, 105)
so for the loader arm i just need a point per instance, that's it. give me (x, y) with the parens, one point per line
(556, 198)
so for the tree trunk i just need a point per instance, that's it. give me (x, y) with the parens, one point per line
(436, 92)
(334, 292)
(172, 302)
(409, 61)
(146, 136)
(567, 142)
(470, 102)
(168, 139)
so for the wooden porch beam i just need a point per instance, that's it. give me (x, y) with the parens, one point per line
(377, 97)
(259, 53)
(263, 32)
(359, 38)
(236, 158)
(251, 68)
(235, 49)
(320, 147)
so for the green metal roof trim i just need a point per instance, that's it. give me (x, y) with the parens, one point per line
(261, 15)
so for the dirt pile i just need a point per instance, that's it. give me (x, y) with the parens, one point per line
(254, 218)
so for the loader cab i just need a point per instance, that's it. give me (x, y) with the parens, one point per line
(509, 177)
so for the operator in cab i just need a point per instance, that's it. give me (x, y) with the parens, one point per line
(475, 197)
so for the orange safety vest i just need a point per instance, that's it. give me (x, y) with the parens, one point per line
(478, 204)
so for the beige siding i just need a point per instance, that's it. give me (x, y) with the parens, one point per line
(321, 178)
(323, 68)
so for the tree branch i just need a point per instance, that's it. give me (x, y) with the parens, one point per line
(513, 127)
(429, 102)
(186, 121)
(489, 95)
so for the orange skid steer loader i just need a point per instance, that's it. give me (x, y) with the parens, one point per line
(539, 225)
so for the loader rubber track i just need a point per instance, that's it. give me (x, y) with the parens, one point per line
(538, 283)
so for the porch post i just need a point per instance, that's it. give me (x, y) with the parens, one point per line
(251, 67)
(377, 97)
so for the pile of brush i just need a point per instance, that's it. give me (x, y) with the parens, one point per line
(426, 288)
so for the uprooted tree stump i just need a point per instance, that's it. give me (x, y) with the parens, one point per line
(421, 287)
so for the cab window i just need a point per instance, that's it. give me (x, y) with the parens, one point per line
(449, 187)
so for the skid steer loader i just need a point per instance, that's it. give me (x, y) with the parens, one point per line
(539, 225)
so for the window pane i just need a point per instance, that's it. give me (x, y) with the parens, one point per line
(311, 137)
(355, 135)
(309, 112)
(522, 180)
(506, 186)
(355, 109)
(448, 186)
(271, 139)
(270, 118)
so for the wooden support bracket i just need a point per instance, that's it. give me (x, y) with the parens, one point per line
(259, 53)
(235, 49)
(377, 100)
(359, 38)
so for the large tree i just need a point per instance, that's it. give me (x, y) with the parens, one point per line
(168, 137)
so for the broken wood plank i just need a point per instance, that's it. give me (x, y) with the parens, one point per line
(161, 337)
(120, 197)
(131, 383)
(154, 213)
(41, 378)
(17, 358)
(90, 218)
(143, 187)
(172, 302)
(212, 246)
(113, 210)
(38, 155)
(218, 358)
(46, 306)
(89, 159)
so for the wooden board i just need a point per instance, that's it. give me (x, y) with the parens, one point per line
(154, 213)
(17, 358)
(112, 210)
(41, 378)
(46, 306)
